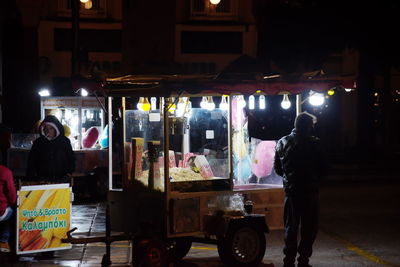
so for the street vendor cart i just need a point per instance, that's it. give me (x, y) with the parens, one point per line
(188, 169)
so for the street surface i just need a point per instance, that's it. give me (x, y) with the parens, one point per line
(360, 220)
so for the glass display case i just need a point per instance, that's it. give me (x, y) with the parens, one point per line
(209, 147)
(79, 115)
(84, 124)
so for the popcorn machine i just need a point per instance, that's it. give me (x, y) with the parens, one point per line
(192, 167)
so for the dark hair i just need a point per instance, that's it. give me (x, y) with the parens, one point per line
(304, 122)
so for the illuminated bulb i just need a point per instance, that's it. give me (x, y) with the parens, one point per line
(153, 103)
(140, 103)
(261, 102)
(172, 106)
(88, 4)
(210, 104)
(188, 112)
(84, 92)
(181, 107)
(215, 2)
(146, 104)
(203, 103)
(251, 102)
(44, 92)
(331, 92)
(224, 104)
(241, 102)
(316, 99)
(348, 90)
(285, 104)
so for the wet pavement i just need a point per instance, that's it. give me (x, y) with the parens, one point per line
(359, 227)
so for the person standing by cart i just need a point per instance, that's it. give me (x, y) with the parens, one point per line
(300, 161)
(8, 197)
(51, 158)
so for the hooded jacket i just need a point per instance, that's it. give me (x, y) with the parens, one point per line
(300, 161)
(8, 193)
(51, 159)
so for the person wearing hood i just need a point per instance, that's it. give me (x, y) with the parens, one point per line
(300, 161)
(51, 158)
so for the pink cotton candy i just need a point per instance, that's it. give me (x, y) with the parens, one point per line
(90, 137)
(263, 159)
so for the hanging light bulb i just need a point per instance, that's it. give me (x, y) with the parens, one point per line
(210, 103)
(146, 104)
(140, 103)
(316, 99)
(348, 90)
(242, 102)
(251, 102)
(172, 106)
(203, 103)
(88, 4)
(153, 103)
(285, 104)
(261, 102)
(224, 103)
(188, 112)
(181, 107)
(331, 92)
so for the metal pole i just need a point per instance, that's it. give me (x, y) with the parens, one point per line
(298, 104)
(75, 4)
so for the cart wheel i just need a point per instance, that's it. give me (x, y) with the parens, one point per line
(149, 253)
(178, 248)
(243, 246)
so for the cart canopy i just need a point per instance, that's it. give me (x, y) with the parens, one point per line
(245, 75)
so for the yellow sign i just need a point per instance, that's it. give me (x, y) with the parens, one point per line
(43, 217)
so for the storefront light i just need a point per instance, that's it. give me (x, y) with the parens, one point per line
(224, 103)
(316, 99)
(285, 104)
(251, 102)
(44, 92)
(261, 102)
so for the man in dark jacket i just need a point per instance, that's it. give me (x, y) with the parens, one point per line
(299, 160)
(51, 158)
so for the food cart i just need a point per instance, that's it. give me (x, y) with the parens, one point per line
(189, 172)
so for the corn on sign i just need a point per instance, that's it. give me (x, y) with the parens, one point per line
(43, 217)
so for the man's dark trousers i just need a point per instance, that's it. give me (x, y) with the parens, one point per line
(300, 210)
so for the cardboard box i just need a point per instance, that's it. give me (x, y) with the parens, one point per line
(203, 166)
(137, 154)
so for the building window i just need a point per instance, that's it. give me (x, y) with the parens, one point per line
(90, 9)
(203, 9)
(202, 42)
